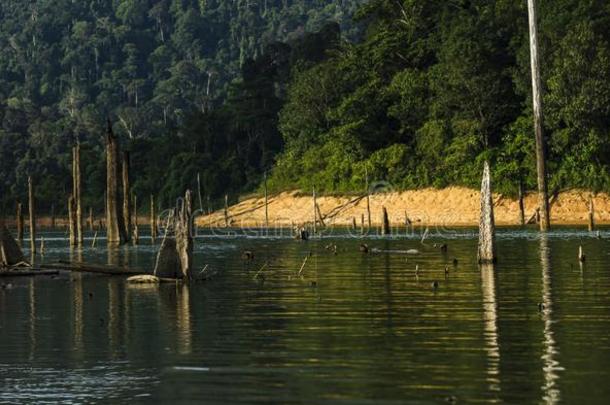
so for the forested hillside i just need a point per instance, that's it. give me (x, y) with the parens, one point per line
(416, 92)
(156, 68)
(438, 86)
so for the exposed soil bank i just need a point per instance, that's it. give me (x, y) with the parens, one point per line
(452, 206)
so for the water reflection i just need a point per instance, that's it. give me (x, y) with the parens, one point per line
(490, 317)
(551, 367)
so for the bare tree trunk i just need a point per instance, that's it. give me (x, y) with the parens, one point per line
(226, 210)
(184, 235)
(52, 216)
(199, 192)
(368, 198)
(153, 218)
(266, 204)
(20, 222)
(487, 248)
(76, 192)
(521, 205)
(385, 222)
(136, 231)
(91, 218)
(32, 215)
(543, 197)
(114, 226)
(314, 210)
(72, 221)
(591, 214)
(126, 195)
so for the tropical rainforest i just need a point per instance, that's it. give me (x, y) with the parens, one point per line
(415, 93)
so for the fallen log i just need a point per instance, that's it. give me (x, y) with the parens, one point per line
(93, 268)
(28, 273)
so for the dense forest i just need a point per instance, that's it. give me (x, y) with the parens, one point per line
(414, 92)
(191, 86)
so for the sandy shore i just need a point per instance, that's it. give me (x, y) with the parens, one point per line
(452, 206)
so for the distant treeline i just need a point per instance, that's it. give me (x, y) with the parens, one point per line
(414, 92)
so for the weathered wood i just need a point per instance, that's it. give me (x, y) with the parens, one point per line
(94, 239)
(72, 221)
(226, 211)
(199, 192)
(114, 225)
(487, 248)
(52, 216)
(42, 245)
(354, 225)
(136, 230)
(314, 210)
(168, 263)
(320, 216)
(521, 205)
(125, 170)
(153, 218)
(76, 192)
(543, 198)
(184, 235)
(32, 209)
(92, 268)
(20, 222)
(90, 221)
(362, 224)
(368, 198)
(385, 222)
(28, 273)
(591, 214)
(10, 252)
(266, 203)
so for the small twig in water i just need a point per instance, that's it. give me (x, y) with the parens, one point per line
(303, 265)
(260, 270)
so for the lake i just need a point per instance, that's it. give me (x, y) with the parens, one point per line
(353, 328)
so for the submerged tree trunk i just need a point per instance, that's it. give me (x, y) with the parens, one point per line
(32, 215)
(487, 248)
(114, 221)
(543, 197)
(126, 195)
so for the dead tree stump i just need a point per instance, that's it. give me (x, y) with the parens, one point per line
(114, 221)
(385, 222)
(487, 248)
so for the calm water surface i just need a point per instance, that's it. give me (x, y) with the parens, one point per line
(353, 329)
